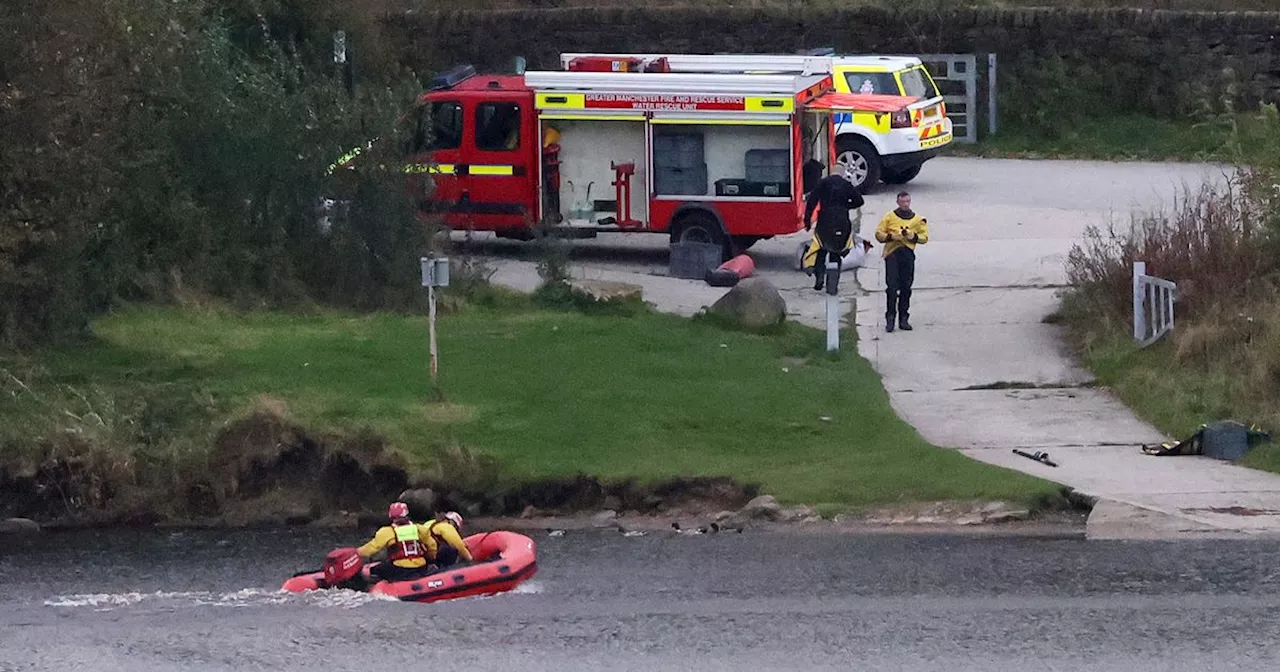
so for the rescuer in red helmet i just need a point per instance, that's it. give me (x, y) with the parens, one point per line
(408, 545)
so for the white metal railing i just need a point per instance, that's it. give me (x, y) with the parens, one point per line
(1153, 300)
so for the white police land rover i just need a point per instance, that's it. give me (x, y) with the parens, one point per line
(873, 146)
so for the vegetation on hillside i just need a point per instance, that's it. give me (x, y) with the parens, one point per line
(154, 150)
(400, 6)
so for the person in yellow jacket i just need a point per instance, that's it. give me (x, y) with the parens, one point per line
(408, 545)
(901, 231)
(446, 533)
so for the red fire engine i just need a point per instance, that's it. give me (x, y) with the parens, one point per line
(623, 144)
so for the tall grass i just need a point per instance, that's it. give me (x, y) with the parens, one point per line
(1213, 242)
(1221, 244)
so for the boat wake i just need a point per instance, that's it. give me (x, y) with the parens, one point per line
(528, 588)
(249, 597)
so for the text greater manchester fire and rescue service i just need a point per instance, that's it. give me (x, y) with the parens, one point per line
(664, 102)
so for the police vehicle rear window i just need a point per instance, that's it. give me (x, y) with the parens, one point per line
(917, 84)
(914, 83)
(872, 82)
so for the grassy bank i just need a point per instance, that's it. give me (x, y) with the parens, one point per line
(1131, 138)
(543, 392)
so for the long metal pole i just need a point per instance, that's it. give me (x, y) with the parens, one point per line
(833, 319)
(431, 319)
(1139, 325)
(991, 94)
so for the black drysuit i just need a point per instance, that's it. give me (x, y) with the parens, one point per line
(837, 197)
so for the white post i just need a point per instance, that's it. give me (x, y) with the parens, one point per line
(1157, 313)
(1139, 317)
(833, 308)
(991, 94)
(833, 323)
(435, 273)
(431, 330)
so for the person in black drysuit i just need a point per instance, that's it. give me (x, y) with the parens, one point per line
(837, 197)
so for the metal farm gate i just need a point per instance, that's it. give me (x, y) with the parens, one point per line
(957, 78)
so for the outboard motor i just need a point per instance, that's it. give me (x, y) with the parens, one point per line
(341, 566)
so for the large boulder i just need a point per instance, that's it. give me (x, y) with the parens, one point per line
(798, 514)
(422, 502)
(19, 526)
(606, 518)
(764, 507)
(752, 304)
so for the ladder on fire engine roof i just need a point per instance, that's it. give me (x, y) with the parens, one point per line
(726, 63)
(667, 83)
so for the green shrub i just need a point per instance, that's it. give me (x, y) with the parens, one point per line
(160, 150)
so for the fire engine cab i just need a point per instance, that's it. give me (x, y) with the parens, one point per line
(627, 145)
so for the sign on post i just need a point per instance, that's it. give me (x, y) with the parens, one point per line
(435, 273)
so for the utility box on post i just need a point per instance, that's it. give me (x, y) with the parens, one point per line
(435, 272)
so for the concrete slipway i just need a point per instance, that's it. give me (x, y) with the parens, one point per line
(1001, 230)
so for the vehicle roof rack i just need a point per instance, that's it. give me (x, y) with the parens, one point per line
(726, 63)
(661, 83)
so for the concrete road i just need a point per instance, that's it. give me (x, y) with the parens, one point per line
(982, 372)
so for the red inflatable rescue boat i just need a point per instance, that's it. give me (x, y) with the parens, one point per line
(503, 560)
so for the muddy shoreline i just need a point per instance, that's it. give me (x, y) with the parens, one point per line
(905, 520)
(1049, 524)
(265, 470)
(1053, 525)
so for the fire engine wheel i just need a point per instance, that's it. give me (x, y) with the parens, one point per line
(700, 227)
(859, 163)
(902, 176)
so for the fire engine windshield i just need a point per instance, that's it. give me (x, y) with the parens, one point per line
(439, 126)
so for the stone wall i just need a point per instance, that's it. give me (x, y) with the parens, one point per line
(1052, 61)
